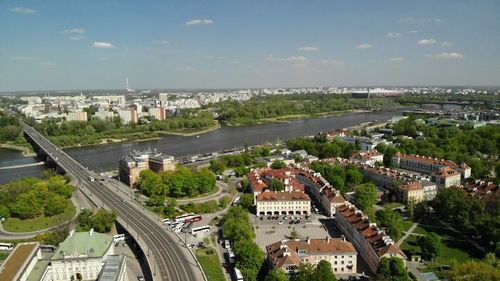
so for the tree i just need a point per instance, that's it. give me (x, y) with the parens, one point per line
(278, 165)
(276, 185)
(474, 271)
(26, 206)
(276, 275)
(217, 166)
(411, 209)
(353, 175)
(246, 200)
(293, 234)
(392, 221)
(324, 272)
(55, 204)
(305, 272)
(392, 269)
(366, 196)
(430, 245)
(249, 258)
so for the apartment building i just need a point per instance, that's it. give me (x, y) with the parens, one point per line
(159, 113)
(104, 114)
(132, 164)
(128, 116)
(77, 116)
(429, 165)
(367, 157)
(289, 254)
(447, 177)
(371, 243)
(20, 262)
(260, 178)
(283, 203)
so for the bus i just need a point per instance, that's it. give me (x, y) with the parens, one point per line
(200, 229)
(6, 246)
(230, 256)
(187, 218)
(119, 237)
(237, 274)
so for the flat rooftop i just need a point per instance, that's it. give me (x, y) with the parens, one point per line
(16, 259)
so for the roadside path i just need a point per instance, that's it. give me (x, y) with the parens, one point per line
(407, 234)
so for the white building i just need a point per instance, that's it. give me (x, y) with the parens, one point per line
(367, 157)
(283, 203)
(158, 113)
(77, 116)
(128, 116)
(104, 114)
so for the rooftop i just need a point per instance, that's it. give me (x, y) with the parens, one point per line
(282, 196)
(16, 259)
(83, 244)
(112, 268)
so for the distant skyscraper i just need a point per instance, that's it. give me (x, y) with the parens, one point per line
(127, 87)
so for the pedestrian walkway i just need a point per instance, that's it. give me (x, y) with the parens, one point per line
(407, 233)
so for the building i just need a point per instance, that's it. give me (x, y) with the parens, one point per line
(260, 178)
(483, 190)
(429, 165)
(289, 254)
(365, 143)
(77, 116)
(118, 99)
(269, 160)
(446, 177)
(20, 262)
(114, 269)
(158, 113)
(104, 114)
(163, 97)
(131, 165)
(368, 157)
(283, 203)
(371, 243)
(128, 116)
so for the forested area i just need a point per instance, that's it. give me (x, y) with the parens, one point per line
(69, 133)
(478, 147)
(30, 198)
(102, 221)
(322, 147)
(179, 183)
(10, 130)
(261, 107)
(343, 178)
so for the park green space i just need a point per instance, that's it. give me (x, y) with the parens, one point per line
(210, 263)
(39, 223)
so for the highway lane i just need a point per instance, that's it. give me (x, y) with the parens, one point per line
(173, 263)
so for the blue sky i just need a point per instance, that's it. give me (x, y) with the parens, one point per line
(51, 45)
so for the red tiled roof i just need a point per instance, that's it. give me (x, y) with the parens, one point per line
(446, 172)
(367, 155)
(431, 160)
(282, 196)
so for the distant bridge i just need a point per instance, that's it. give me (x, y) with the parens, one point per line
(22, 166)
(449, 102)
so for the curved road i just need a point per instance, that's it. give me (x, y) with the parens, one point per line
(170, 261)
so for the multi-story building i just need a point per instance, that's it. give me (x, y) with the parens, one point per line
(446, 177)
(260, 178)
(289, 254)
(104, 114)
(163, 97)
(114, 269)
(371, 243)
(429, 165)
(131, 165)
(283, 203)
(128, 116)
(80, 257)
(159, 113)
(119, 100)
(20, 262)
(483, 190)
(77, 116)
(368, 157)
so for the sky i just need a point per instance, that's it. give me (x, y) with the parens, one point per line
(95, 44)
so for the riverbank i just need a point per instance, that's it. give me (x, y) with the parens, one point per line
(190, 132)
(294, 117)
(26, 150)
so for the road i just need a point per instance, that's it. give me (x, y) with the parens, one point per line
(168, 259)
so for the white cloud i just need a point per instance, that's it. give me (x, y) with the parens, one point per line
(189, 68)
(393, 34)
(446, 44)
(199, 21)
(296, 59)
(22, 10)
(420, 20)
(397, 59)
(47, 63)
(76, 38)
(412, 31)
(430, 41)
(332, 62)
(308, 48)
(103, 45)
(161, 42)
(364, 46)
(449, 56)
(74, 30)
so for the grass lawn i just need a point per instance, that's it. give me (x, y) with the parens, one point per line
(392, 205)
(210, 264)
(407, 225)
(18, 225)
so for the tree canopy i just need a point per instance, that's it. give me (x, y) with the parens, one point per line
(366, 196)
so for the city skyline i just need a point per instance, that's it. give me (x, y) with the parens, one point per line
(59, 46)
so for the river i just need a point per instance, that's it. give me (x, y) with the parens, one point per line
(106, 157)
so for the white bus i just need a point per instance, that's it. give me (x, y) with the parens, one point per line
(230, 256)
(119, 237)
(200, 229)
(6, 246)
(237, 275)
